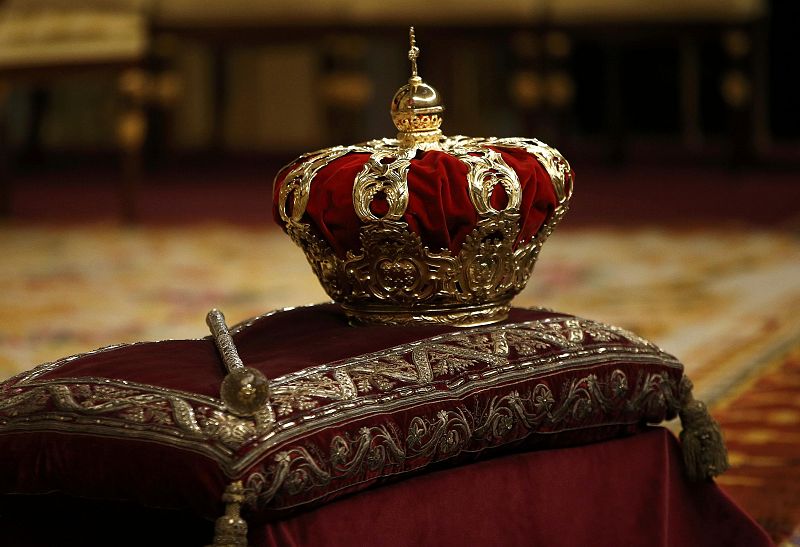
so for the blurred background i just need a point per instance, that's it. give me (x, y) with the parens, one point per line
(134, 98)
(139, 139)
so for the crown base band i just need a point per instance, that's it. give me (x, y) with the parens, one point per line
(461, 316)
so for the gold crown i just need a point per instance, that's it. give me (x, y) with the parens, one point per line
(395, 277)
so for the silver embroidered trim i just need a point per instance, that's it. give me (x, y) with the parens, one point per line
(441, 368)
(306, 471)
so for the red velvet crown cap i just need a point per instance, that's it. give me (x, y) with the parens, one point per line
(439, 205)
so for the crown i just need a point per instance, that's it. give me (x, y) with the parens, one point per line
(424, 228)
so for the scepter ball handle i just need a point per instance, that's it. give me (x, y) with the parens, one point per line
(244, 390)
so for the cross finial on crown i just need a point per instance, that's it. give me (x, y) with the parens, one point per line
(413, 53)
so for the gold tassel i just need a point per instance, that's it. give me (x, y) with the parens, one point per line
(704, 452)
(230, 530)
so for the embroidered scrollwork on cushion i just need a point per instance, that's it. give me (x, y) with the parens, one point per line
(349, 407)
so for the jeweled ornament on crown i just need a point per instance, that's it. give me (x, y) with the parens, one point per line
(424, 228)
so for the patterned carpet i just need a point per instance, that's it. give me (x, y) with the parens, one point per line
(724, 301)
(760, 421)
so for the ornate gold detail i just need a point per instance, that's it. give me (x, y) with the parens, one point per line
(488, 260)
(393, 266)
(416, 107)
(413, 53)
(384, 175)
(487, 170)
(447, 366)
(297, 183)
(304, 393)
(230, 530)
(393, 278)
(408, 122)
(358, 455)
(550, 158)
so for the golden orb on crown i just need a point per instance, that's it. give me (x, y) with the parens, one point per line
(416, 107)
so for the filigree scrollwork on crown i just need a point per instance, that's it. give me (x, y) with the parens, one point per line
(409, 121)
(487, 171)
(393, 266)
(384, 176)
(297, 183)
(560, 174)
(551, 159)
(527, 253)
(381, 145)
(355, 456)
(320, 256)
(488, 263)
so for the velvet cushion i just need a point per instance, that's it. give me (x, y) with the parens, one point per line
(350, 406)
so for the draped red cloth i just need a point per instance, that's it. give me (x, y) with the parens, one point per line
(629, 491)
(439, 207)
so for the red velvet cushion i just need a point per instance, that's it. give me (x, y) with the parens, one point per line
(439, 207)
(352, 406)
